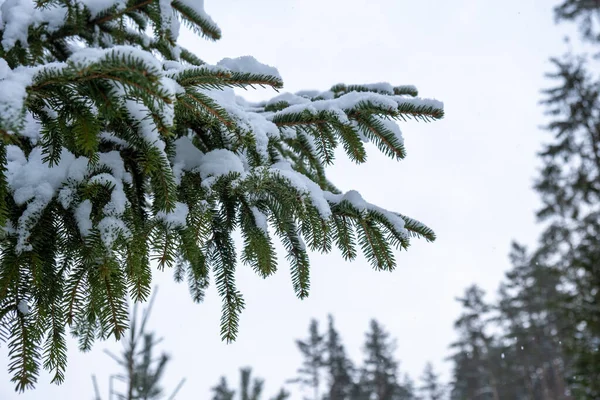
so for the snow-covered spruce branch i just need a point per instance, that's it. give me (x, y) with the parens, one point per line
(121, 149)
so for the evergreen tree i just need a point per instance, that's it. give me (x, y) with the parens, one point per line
(142, 371)
(250, 389)
(474, 377)
(532, 327)
(377, 379)
(222, 391)
(431, 388)
(570, 190)
(569, 186)
(338, 366)
(379, 375)
(547, 317)
(120, 147)
(408, 389)
(523, 359)
(312, 350)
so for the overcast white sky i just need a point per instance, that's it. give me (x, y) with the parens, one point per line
(468, 176)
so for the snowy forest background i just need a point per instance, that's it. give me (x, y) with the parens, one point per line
(470, 316)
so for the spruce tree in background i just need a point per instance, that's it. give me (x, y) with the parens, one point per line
(473, 376)
(325, 357)
(379, 374)
(250, 389)
(570, 189)
(312, 350)
(119, 147)
(547, 320)
(142, 372)
(222, 391)
(569, 186)
(532, 327)
(339, 368)
(431, 388)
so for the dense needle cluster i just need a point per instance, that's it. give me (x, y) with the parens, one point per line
(121, 149)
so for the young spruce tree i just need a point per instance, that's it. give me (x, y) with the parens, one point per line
(142, 370)
(339, 368)
(121, 148)
(250, 389)
(379, 379)
(313, 352)
(431, 388)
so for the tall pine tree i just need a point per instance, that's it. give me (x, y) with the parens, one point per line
(431, 388)
(249, 389)
(474, 376)
(339, 367)
(142, 371)
(330, 374)
(120, 147)
(379, 375)
(569, 186)
(313, 354)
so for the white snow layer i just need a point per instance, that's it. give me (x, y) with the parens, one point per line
(23, 307)
(198, 7)
(248, 64)
(177, 217)
(33, 182)
(82, 215)
(16, 16)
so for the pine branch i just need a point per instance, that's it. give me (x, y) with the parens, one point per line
(199, 23)
(121, 148)
(116, 15)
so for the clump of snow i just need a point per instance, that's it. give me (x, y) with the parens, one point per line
(308, 93)
(198, 7)
(110, 229)
(107, 137)
(166, 13)
(354, 198)
(383, 87)
(18, 15)
(113, 160)
(31, 128)
(260, 219)
(147, 128)
(89, 55)
(97, 6)
(118, 201)
(23, 307)
(4, 68)
(303, 184)
(82, 215)
(261, 128)
(393, 127)
(33, 182)
(326, 95)
(220, 162)
(176, 218)
(13, 91)
(213, 164)
(289, 98)
(248, 64)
